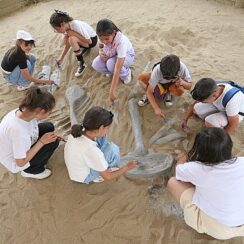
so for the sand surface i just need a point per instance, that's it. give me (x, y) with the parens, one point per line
(209, 38)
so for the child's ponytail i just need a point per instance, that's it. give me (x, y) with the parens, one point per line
(59, 17)
(77, 130)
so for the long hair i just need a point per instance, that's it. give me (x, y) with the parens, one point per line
(211, 146)
(16, 49)
(93, 120)
(106, 27)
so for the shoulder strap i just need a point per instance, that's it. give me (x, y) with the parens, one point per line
(155, 65)
(229, 95)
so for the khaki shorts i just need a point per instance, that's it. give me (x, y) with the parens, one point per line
(203, 223)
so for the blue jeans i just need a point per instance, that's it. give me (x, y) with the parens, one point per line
(16, 78)
(111, 154)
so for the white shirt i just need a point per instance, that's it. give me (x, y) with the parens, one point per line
(82, 154)
(219, 189)
(235, 104)
(16, 138)
(157, 76)
(121, 46)
(82, 28)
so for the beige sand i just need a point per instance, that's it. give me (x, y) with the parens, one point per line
(209, 38)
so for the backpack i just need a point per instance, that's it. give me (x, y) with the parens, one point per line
(235, 88)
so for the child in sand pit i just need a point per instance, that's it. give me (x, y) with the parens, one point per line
(77, 34)
(209, 96)
(169, 77)
(116, 55)
(18, 63)
(209, 185)
(88, 155)
(26, 145)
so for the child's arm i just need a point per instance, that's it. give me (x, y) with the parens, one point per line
(79, 36)
(233, 122)
(108, 175)
(115, 80)
(26, 74)
(186, 116)
(65, 50)
(45, 139)
(158, 111)
(185, 84)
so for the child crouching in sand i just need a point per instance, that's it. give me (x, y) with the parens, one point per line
(27, 145)
(169, 77)
(116, 55)
(77, 34)
(18, 63)
(88, 155)
(209, 185)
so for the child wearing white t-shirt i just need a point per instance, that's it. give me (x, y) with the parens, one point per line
(26, 145)
(208, 95)
(116, 55)
(77, 34)
(88, 155)
(209, 185)
(169, 77)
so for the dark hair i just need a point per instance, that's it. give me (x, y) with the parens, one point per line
(16, 49)
(58, 17)
(211, 146)
(37, 98)
(106, 27)
(94, 118)
(170, 66)
(204, 88)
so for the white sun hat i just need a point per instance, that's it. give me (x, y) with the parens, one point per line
(24, 35)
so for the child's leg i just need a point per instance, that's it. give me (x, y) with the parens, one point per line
(110, 150)
(216, 120)
(202, 110)
(38, 162)
(100, 66)
(16, 78)
(125, 70)
(176, 188)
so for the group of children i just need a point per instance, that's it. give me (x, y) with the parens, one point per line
(209, 179)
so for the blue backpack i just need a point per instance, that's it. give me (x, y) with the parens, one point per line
(235, 88)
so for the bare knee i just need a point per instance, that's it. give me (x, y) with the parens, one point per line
(172, 182)
(72, 40)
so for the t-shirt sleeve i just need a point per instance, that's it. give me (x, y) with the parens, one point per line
(96, 160)
(155, 76)
(234, 105)
(189, 172)
(122, 48)
(21, 144)
(22, 62)
(79, 28)
(185, 74)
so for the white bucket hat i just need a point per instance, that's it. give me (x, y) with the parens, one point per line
(23, 35)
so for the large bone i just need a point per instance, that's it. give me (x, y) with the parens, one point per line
(136, 125)
(170, 137)
(73, 94)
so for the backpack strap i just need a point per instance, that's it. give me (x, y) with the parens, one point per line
(229, 95)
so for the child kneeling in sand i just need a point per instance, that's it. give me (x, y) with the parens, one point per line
(209, 185)
(18, 63)
(88, 155)
(169, 77)
(209, 105)
(116, 55)
(26, 145)
(77, 34)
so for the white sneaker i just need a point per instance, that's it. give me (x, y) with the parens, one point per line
(143, 101)
(23, 88)
(80, 70)
(128, 78)
(108, 75)
(99, 179)
(168, 100)
(46, 173)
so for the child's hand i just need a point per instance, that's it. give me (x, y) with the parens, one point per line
(182, 158)
(103, 56)
(183, 125)
(178, 82)
(159, 112)
(112, 97)
(48, 138)
(131, 165)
